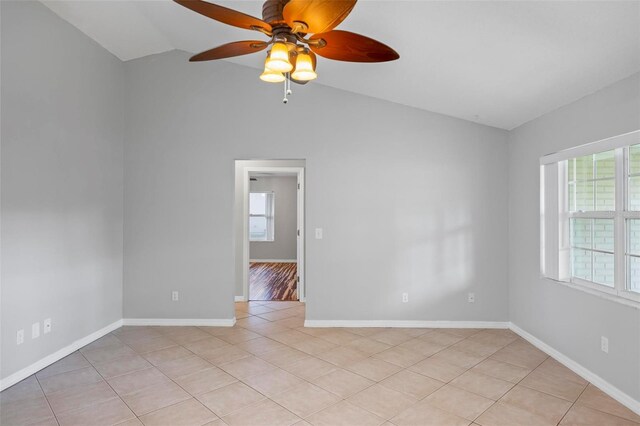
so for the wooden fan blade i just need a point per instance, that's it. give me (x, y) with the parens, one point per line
(318, 15)
(225, 15)
(237, 48)
(352, 47)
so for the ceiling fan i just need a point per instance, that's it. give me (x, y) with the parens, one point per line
(298, 30)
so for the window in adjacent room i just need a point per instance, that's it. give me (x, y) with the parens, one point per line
(261, 216)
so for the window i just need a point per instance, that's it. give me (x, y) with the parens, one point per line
(261, 216)
(590, 217)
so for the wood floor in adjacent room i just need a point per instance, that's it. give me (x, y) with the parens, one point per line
(273, 281)
(269, 370)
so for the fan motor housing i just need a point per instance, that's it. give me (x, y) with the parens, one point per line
(272, 11)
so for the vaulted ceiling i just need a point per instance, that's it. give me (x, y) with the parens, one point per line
(499, 63)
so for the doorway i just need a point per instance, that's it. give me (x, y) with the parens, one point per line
(273, 240)
(272, 223)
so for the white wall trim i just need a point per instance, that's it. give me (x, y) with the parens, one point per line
(607, 144)
(406, 324)
(240, 299)
(226, 322)
(595, 291)
(581, 371)
(56, 356)
(273, 260)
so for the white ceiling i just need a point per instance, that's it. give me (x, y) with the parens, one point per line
(499, 63)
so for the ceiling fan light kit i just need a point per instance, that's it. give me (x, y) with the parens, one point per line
(278, 59)
(292, 56)
(305, 70)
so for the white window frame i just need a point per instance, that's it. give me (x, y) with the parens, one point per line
(555, 250)
(269, 215)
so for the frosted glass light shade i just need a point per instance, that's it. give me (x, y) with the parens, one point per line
(271, 76)
(279, 58)
(304, 68)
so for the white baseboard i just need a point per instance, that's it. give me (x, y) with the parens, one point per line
(56, 356)
(273, 261)
(240, 299)
(181, 322)
(406, 324)
(581, 371)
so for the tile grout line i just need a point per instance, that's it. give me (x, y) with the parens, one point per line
(572, 404)
(55, 417)
(161, 372)
(107, 382)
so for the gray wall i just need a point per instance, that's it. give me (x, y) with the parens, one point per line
(569, 320)
(410, 201)
(62, 183)
(285, 242)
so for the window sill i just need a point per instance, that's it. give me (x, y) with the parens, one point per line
(633, 300)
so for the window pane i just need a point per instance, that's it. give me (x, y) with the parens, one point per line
(572, 197)
(584, 196)
(633, 247)
(581, 263)
(603, 234)
(605, 164)
(603, 268)
(633, 280)
(258, 228)
(257, 203)
(634, 159)
(605, 195)
(581, 233)
(634, 193)
(571, 170)
(633, 236)
(584, 167)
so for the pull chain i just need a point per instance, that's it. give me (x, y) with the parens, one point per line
(287, 88)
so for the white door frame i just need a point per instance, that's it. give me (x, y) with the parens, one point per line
(245, 227)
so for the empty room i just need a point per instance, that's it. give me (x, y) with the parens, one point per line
(319, 212)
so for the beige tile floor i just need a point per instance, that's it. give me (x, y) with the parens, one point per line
(270, 370)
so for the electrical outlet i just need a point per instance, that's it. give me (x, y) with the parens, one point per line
(318, 233)
(405, 297)
(471, 298)
(604, 344)
(20, 337)
(175, 296)
(46, 327)
(35, 330)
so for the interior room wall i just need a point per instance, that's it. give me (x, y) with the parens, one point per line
(410, 201)
(62, 183)
(285, 242)
(567, 319)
